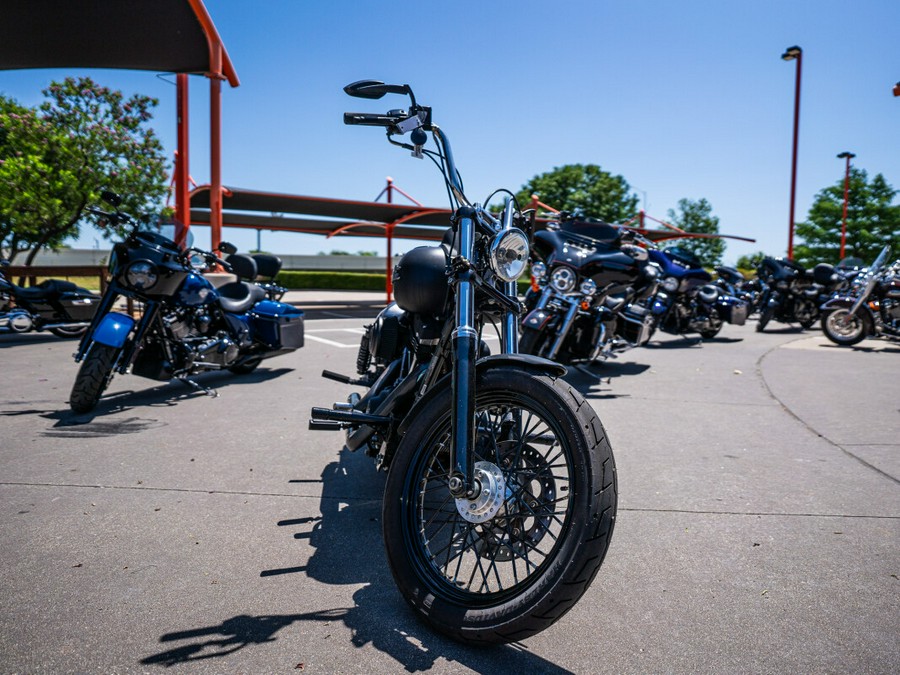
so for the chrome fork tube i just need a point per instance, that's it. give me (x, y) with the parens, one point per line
(509, 329)
(464, 341)
(564, 329)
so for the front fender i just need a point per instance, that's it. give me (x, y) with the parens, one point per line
(533, 364)
(838, 302)
(113, 329)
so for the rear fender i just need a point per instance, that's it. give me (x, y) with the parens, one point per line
(533, 364)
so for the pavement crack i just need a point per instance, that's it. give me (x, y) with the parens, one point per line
(809, 427)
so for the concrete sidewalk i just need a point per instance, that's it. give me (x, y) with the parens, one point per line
(758, 528)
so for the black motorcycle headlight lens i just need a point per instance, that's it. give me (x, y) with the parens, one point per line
(509, 254)
(141, 275)
(670, 284)
(563, 279)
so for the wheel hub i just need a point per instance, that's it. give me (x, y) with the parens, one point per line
(489, 499)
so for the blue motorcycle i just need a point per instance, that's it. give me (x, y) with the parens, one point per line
(184, 325)
(686, 301)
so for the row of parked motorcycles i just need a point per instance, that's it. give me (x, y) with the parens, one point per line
(501, 491)
(598, 289)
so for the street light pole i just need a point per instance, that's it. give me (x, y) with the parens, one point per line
(848, 156)
(791, 54)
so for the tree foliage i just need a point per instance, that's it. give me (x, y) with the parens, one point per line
(56, 158)
(751, 261)
(872, 221)
(696, 216)
(583, 189)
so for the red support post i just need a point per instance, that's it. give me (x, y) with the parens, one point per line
(182, 173)
(791, 54)
(215, 157)
(389, 232)
(848, 156)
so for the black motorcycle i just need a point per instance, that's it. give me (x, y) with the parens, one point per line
(686, 301)
(871, 307)
(586, 277)
(733, 282)
(500, 497)
(185, 325)
(793, 294)
(54, 305)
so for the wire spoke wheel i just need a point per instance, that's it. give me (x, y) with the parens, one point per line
(509, 561)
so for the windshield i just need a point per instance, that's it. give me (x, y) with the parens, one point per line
(167, 228)
(880, 260)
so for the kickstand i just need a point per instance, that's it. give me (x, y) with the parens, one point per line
(199, 387)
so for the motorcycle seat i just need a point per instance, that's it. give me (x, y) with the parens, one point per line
(613, 302)
(50, 288)
(239, 296)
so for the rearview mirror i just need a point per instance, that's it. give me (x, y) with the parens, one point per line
(374, 89)
(227, 248)
(111, 198)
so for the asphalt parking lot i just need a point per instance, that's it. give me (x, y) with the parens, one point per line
(758, 527)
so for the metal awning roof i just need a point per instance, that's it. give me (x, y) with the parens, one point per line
(175, 36)
(330, 216)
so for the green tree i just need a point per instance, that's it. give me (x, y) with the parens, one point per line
(696, 216)
(872, 221)
(583, 189)
(750, 262)
(55, 160)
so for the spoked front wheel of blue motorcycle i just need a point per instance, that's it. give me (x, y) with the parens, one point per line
(93, 377)
(510, 562)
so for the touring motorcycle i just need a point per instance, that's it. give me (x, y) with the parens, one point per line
(186, 325)
(733, 282)
(586, 278)
(870, 307)
(686, 301)
(793, 294)
(54, 305)
(500, 496)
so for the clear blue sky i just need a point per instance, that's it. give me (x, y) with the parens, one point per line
(683, 99)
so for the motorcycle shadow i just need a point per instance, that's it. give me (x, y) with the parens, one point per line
(163, 395)
(18, 339)
(588, 379)
(346, 539)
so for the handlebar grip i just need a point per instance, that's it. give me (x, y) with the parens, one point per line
(371, 119)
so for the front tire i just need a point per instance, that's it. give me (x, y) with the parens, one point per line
(843, 329)
(765, 315)
(509, 563)
(93, 377)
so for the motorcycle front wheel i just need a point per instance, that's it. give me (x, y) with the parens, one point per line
(844, 329)
(93, 377)
(765, 315)
(510, 562)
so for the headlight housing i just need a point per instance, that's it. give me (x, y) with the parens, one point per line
(670, 284)
(563, 279)
(141, 275)
(588, 287)
(509, 254)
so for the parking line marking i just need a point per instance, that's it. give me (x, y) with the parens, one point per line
(330, 342)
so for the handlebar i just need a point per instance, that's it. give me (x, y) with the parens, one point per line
(372, 119)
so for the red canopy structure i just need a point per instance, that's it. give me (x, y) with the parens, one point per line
(176, 36)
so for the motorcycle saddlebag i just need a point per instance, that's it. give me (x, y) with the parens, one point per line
(278, 325)
(635, 324)
(732, 310)
(80, 305)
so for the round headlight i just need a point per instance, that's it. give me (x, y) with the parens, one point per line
(141, 275)
(588, 287)
(538, 270)
(670, 284)
(563, 279)
(509, 254)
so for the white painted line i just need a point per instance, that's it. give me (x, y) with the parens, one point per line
(329, 342)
